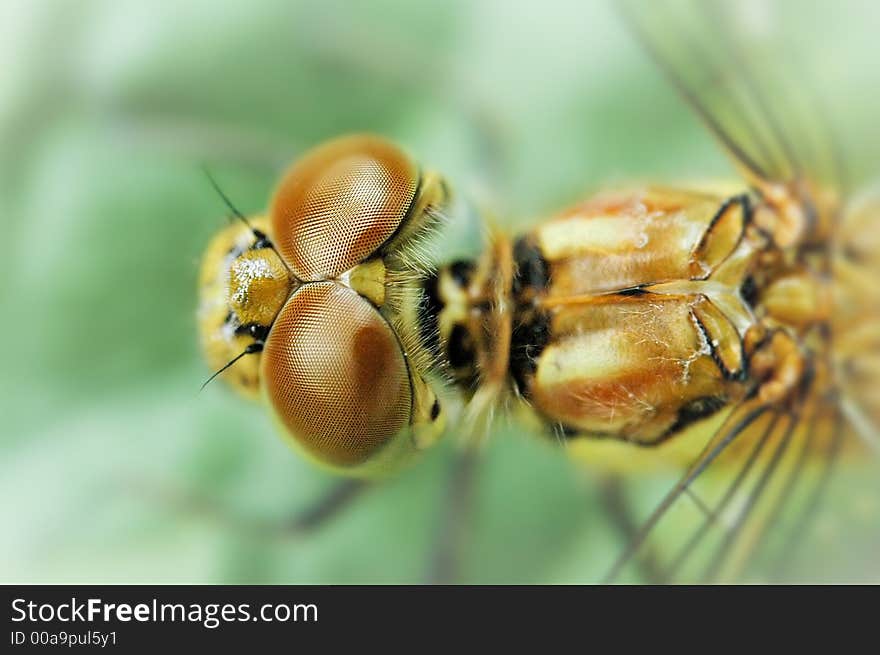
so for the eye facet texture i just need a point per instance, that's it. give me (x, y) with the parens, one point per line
(339, 203)
(336, 375)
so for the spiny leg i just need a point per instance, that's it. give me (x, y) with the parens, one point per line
(712, 515)
(721, 557)
(795, 477)
(794, 537)
(445, 563)
(736, 423)
(792, 383)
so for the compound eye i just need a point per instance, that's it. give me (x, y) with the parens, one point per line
(339, 203)
(336, 376)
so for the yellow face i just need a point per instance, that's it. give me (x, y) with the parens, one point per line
(319, 302)
(229, 296)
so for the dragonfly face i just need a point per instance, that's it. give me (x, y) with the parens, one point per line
(322, 304)
(703, 327)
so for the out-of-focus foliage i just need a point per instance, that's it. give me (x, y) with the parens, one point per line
(107, 110)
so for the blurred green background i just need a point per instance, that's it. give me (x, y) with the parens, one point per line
(107, 111)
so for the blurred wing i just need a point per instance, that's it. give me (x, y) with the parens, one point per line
(725, 59)
(743, 503)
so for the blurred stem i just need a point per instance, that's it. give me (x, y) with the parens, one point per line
(328, 506)
(332, 503)
(619, 510)
(445, 566)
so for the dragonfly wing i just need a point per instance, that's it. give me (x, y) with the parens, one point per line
(726, 63)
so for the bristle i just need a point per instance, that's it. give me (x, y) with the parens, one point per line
(419, 253)
(404, 304)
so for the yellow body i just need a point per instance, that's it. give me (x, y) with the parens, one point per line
(645, 328)
(648, 334)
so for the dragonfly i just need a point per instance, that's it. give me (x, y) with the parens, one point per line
(728, 329)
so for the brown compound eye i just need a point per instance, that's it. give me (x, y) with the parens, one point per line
(339, 203)
(336, 376)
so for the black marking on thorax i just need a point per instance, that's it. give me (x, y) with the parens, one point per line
(462, 357)
(688, 414)
(531, 325)
(429, 315)
(462, 271)
(531, 334)
(456, 348)
(691, 412)
(632, 291)
(749, 291)
(532, 272)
